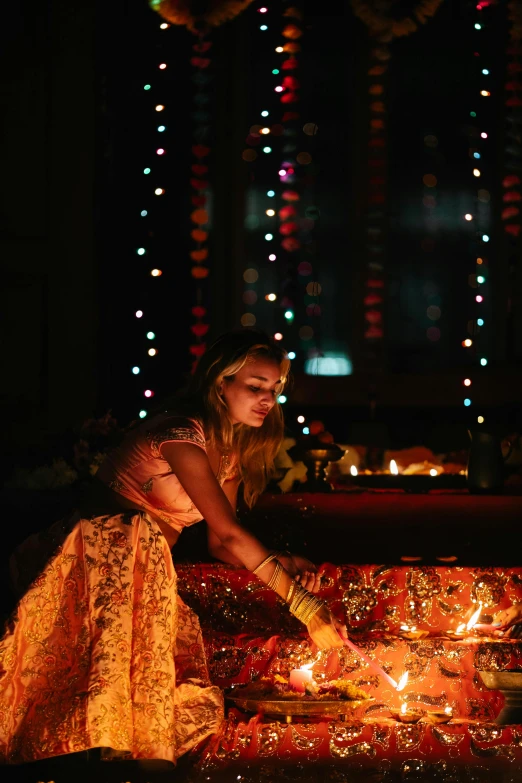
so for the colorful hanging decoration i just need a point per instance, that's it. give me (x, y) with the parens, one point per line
(283, 130)
(376, 198)
(383, 27)
(512, 181)
(198, 14)
(379, 18)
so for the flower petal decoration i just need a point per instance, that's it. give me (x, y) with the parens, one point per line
(199, 329)
(200, 151)
(199, 255)
(198, 350)
(192, 15)
(199, 272)
(199, 216)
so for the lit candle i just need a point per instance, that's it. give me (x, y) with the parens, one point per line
(394, 470)
(398, 686)
(353, 470)
(473, 619)
(300, 677)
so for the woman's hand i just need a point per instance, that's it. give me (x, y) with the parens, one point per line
(326, 630)
(302, 570)
(510, 621)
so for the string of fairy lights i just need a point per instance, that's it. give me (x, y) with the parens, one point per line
(480, 218)
(278, 134)
(155, 173)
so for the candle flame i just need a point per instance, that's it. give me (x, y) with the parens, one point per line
(394, 470)
(448, 710)
(473, 619)
(306, 667)
(433, 472)
(461, 628)
(353, 470)
(403, 708)
(403, 681)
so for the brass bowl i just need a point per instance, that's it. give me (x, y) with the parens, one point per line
(287, 708)
(316, 456)
(509, 683)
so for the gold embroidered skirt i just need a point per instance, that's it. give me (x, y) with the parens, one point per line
(102, 652)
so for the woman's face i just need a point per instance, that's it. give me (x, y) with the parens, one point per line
(251, 393)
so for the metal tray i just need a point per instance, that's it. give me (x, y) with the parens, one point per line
(298, 707)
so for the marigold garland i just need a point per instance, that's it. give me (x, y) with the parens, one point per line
(192, 14)
(378, 17)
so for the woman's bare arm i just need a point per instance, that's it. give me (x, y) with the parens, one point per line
(193, 470)
(215, 547)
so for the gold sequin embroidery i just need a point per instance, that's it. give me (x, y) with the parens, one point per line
(147, 487)
(155, 440)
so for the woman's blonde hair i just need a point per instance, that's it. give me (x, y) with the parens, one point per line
(255, 448)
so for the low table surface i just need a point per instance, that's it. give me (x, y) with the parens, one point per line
(386, 526)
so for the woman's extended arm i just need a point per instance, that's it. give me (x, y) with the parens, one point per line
(215, 547)
(298, 567)
(193, 470)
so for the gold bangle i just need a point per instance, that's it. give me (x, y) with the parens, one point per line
(276, 577)
(304, 605)
(314, 611)
(265, 562)
(291, 589)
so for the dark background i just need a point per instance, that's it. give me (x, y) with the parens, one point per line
(78, 129)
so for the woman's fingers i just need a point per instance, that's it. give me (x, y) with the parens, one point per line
(341, 628)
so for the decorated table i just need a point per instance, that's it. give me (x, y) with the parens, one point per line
(407, 619)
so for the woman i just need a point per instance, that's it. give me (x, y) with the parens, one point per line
(102, 652)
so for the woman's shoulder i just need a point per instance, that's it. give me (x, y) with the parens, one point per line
(171, 426)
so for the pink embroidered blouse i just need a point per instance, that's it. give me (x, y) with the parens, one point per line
(138, 471)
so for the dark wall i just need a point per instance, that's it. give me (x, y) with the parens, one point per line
(49, 306)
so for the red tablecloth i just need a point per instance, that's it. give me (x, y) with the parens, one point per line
(248, 632)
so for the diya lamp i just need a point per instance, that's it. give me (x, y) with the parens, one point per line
(464, 628)
(412, 633)
(440, 716)
(300, 678)
(407, 715)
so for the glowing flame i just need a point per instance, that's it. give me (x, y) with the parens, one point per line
(473, 619)
(403, 708)
(394, 470)
(306, 667)
(461, 628)
(433, 472)
(448, 710)
(403, 681)
(353, 470)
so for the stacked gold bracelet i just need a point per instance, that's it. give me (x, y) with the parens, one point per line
(265, 562)
(276, 576)
(303, 604)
